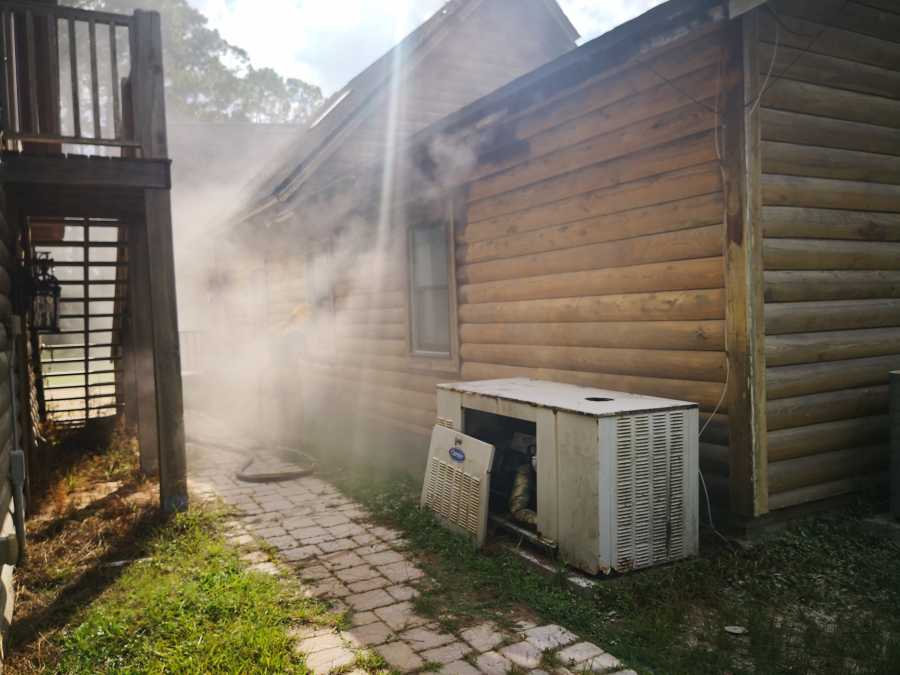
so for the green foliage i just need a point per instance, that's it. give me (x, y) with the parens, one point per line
(210, 80)
(821, 597)
(192, 608)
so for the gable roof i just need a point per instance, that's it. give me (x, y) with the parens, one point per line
(342, 111)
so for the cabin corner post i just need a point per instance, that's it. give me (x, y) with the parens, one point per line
(745, 325)
(150, 127)
(140, 360)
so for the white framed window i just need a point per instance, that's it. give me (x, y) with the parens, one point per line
(431, 297)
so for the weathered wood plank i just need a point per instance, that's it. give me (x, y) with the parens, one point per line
(379, 300)
(98, 172)
(150, 126)
(703, 242)
(799, 411)
(812, 285)
(815, 99)
(682, 214)
(668, 276)
(830, 315)
(743, 270)
(831, 489)
(672, 62)
(824, 467)
(852, 16)
(667, 306)
(372, 346)
(828, 71)
(798, 222)
(817, 438)
(676, 365)
(833, 41)
(694, 181)
(830, 194)
(678, 335)
(818, 254)
(803, 160)
(680, 154)
(816, 378)
(646, 120)
(826, 132)
(784, 350)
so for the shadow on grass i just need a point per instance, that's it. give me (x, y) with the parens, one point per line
(55, 566)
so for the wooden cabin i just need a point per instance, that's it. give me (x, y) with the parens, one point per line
(702, 204)
(85, 179)
(461, 53)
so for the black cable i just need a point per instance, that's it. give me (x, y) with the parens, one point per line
(826, 25)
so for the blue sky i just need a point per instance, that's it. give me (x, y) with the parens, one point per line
(326, 42)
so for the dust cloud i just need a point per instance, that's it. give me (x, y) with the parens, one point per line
(283, 318)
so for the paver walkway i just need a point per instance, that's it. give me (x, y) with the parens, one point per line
(342, 557)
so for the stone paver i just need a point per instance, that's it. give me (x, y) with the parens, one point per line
(372, 634)
(326, 661)
(401, 572)
(524, 654)
(447, 653)
(369, 585)
(493, 663)
(370, 600)
(425, 638)
(459, 668)
(599, 664)
(483, 637)
(340, 557)
(578, 653)
(549, 637)
(400, 616)
(353, 574)
(401, 656)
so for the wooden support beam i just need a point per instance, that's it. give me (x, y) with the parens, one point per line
(745, 328)
(99, 172)
(139, 350)
(150, 128)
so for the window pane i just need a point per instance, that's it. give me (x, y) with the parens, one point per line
(430, 253)
(430, 293)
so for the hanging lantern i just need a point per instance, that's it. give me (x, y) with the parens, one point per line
(45, 296)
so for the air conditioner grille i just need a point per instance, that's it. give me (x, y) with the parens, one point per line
(650, 485)
(454, 495)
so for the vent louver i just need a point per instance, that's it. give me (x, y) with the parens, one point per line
(456, 482)
(454, 495)
(650, 485)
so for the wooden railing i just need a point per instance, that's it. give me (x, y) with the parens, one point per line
(67, 77)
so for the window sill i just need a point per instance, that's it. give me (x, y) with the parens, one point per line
(437, 363)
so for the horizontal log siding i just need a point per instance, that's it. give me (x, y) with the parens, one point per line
(357, 355)
(592, 247)
(831, 221)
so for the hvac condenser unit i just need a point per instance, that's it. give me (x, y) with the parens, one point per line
(607, 479)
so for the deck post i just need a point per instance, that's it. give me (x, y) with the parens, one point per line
(141, 374)
(745, 326)
(150, 127)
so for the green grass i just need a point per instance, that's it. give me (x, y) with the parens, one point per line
(192, 608)
(822, 597)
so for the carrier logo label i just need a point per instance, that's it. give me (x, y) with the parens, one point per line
(457, 455)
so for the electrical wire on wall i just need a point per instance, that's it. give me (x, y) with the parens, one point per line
(719, 128)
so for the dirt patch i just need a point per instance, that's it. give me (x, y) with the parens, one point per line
(94, 508)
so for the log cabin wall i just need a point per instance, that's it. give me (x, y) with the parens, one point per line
(592, 248)
(357, 349)
(830, 126)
